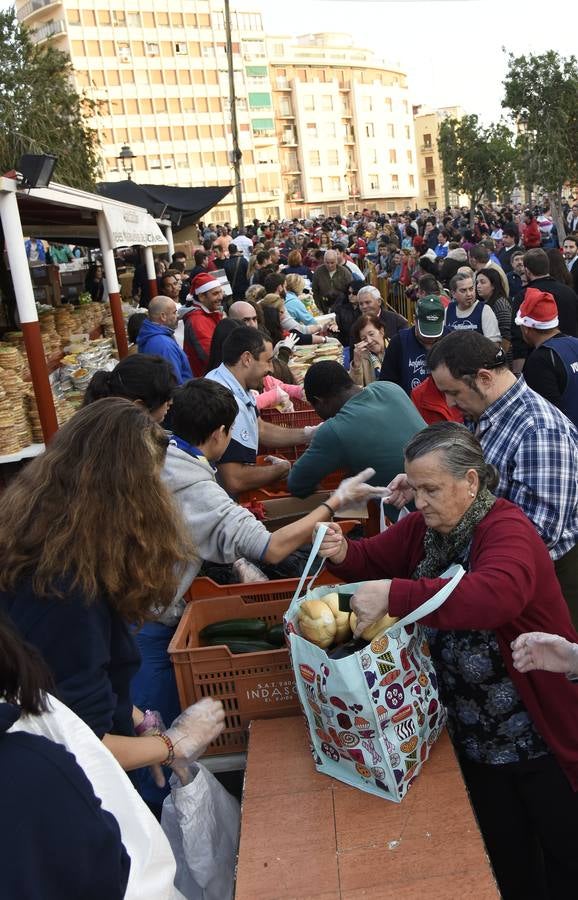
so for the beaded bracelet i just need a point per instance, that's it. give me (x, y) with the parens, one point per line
(170, 747)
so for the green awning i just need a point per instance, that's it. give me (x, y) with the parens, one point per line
(259, 101)
(262, 124)
(256, 71)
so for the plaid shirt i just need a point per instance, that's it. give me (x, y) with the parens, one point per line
(535, 449)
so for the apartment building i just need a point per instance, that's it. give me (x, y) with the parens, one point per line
(344, 124)
(157, 70)
(432, 187)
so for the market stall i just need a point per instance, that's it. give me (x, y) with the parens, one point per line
(59, 213)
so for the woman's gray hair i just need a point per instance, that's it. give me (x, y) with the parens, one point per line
(460, 451)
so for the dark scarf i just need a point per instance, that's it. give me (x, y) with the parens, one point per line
(441, 550)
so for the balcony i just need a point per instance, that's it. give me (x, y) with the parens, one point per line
(428, 173)
(44, 32)
(33, 6)
(285, 114)
(427, 148)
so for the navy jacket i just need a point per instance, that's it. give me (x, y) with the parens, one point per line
(92, 654)
(58, 843)
(159, 339)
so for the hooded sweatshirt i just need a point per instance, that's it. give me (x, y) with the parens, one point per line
(160, 339)
(222, 530)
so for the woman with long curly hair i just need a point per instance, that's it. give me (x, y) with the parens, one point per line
(90, 544)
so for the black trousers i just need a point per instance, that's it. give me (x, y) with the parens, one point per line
(528, 816)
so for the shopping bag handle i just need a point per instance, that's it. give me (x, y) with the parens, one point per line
(455, 575)
(321, 531)
(404, 511)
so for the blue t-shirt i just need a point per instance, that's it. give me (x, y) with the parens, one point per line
(245, 430)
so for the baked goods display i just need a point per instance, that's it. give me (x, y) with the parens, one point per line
(303, 357)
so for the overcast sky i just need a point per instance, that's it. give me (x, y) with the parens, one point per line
(451, 49)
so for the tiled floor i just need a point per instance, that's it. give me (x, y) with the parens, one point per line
(305, 836)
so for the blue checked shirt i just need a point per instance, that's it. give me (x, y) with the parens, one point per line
(535, 449)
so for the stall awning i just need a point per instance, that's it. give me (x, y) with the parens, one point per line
(183, 206)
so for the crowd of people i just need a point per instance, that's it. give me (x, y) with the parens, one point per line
(457, 398)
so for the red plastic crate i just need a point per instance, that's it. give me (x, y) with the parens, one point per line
(259, 591)
(297, 419)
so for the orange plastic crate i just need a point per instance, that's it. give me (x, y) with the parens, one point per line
(259, 591)
(297, 419)
(250, 685)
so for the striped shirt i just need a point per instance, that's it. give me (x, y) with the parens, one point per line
(535, 449)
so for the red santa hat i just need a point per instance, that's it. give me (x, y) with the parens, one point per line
(203, 283)
(538, 310)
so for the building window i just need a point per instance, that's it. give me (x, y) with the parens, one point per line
(311, 129)
(104, 17)
(395, 182)
(308, 102)
(327, 102)
(124, 53)
(410, 157)
(429, 164)
(263, 127)
(391, 131)
(405, 107)
(334, 183)
(369, 130)
(259, 100)
(431, 187)
(407, 132)
(333, 157)
(374, 182)
(367, 104)
(74, 17)
(427, 140)
(314, 158)
(411, 181)
(388, 104)
(181, 48)
(392, 156)
(317, 185)
(373, 157)
(151, 49)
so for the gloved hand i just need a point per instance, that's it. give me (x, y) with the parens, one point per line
(281, 396)
(355, 490)
(195, 728)
(289, 343)
(370, 603)
(309, 431)
(277, 461)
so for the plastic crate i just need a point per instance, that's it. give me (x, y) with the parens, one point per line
(257, 685)
(256, 592)
(297, 419)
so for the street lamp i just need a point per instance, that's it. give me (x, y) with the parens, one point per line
(126, 157)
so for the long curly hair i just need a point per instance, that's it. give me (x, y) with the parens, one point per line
(92, 511)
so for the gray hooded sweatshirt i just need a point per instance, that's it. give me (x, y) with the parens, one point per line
(222, 530)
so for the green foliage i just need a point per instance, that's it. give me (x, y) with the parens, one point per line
(40, 112)
(541, 92)
(477, 161)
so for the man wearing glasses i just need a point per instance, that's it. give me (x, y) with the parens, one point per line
(531, 443)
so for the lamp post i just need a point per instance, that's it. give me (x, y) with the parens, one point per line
(126, 157)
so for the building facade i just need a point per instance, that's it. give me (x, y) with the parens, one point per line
(324, 127)
(344, 126)
(432, 188)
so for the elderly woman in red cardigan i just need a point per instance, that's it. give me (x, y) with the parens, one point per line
(516, 735)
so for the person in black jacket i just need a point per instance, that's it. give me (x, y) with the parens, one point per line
(537, 269)
(58, 842)
(236, 271)
(347, 312)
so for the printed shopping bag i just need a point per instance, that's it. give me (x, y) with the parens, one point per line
(372, 716)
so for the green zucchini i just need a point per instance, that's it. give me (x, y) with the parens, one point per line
(242, 628)
(276, 635)
(237, 644)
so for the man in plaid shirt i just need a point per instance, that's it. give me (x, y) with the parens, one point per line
(531, 443)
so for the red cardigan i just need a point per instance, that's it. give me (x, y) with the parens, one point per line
(199, 330)
(511, 588)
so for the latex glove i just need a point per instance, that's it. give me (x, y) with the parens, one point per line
(550, 652)
(195, 728)
(289, 343)
(247, 572)
(355, 490)
(309, 432)
(400, 492)
(370, 603)
(334, 544)
(277, 461)
(281, 396)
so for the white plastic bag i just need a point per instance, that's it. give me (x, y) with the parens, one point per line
(201, 820)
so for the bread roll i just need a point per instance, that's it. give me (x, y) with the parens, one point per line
(343, 632)
(372, 630)
(317, 623)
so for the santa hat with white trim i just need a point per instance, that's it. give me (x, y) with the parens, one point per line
(538, 310)
(204, 282)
